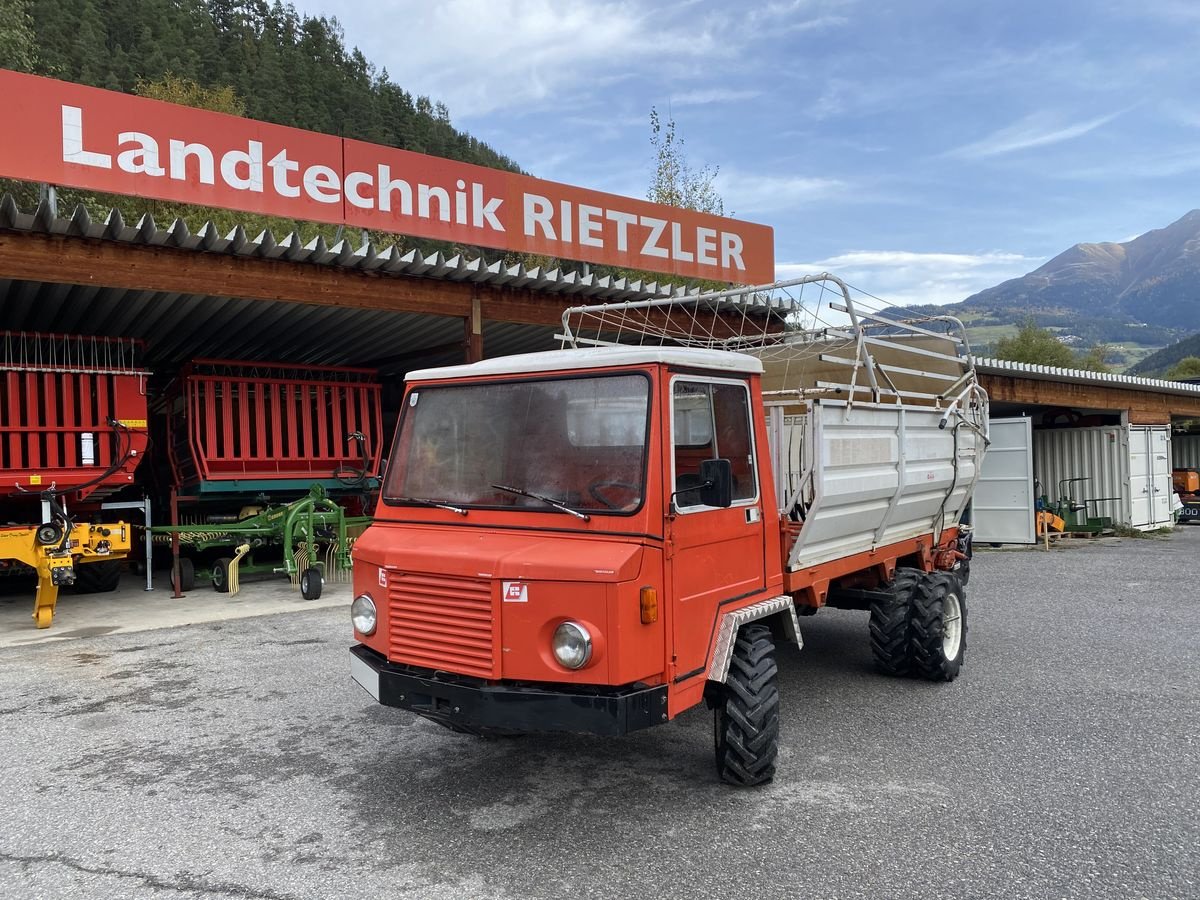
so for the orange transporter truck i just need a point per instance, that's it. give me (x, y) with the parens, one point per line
(599, 538)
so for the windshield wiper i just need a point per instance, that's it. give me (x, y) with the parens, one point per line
(556, 504)
(421, 501)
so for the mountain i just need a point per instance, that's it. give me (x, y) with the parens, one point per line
(1157, 364)
(1144, 291)
(1154, 279)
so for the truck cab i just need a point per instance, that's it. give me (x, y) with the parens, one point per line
(556, 533)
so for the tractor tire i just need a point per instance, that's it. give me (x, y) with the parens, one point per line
(891, 635)
(747, 716)
(98, 577)
(939, 626)
(311, 583)
(220, 575)
(187, 575)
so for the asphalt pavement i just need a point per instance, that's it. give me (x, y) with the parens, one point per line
(237, 759)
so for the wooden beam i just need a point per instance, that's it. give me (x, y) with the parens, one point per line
(473, 338)
(1145, 407)
(57, 259)
(61, 259)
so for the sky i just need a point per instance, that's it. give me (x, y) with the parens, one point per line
(921, 149)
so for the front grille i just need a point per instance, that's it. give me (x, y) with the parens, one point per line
(441, 622)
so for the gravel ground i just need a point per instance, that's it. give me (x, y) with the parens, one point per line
(237, 759)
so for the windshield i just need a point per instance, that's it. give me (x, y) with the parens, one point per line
(580, 442)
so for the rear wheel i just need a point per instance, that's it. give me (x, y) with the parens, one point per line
(98, 577)
(891, 639)
(939, 626)
(747, 715)
(187, 575)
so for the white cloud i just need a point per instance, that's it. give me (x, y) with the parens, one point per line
(480, 56)
(1170, 164)
(1037, 130)
(712, 95)
(904, 277)
(745, 193)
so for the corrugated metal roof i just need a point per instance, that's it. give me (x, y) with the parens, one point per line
(368, 257)
(1083, 376)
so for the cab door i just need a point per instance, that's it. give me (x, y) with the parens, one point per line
(715, 554)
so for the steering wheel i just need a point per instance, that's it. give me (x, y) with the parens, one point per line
(600, 484)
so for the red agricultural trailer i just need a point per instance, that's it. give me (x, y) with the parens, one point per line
(72, 432)
(242, 437)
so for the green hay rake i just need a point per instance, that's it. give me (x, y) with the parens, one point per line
(314, 534)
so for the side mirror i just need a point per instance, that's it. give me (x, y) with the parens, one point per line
(717, 486)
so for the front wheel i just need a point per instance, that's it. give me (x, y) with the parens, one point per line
(311, 583)
(747, 715)
(939, 626)
(220, 575)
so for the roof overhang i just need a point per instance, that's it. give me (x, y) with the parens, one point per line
(596, 358)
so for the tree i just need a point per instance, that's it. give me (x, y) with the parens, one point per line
(17, 42)
(185, 92)
(1188, 367)
(675, 183)
(1035, 345)
(1097, 358)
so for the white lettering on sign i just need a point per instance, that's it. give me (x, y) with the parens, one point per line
(280, 165)
(587, 224)
(142, 159)
(516, 592)
(179, 152)
(268, 167)
(484, 212)
(72, 141)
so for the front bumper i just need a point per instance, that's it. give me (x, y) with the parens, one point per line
(469, 704)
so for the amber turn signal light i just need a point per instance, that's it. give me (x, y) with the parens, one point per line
(649, 605)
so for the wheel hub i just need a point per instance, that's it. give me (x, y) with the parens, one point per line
(951, 626)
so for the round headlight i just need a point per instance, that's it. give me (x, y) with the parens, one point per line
(572, 645)
(362, 614)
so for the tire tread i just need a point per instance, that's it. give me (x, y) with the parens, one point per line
(928, 605)
(891, 631)
(748, 716)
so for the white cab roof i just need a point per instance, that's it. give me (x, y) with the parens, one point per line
(596, 358)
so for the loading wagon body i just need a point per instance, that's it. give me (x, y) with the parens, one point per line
(73, 430)
(264, 458)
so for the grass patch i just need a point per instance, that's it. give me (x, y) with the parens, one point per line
(1126, 531)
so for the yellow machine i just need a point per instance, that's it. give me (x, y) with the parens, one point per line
(53, 552)
(1048, 521)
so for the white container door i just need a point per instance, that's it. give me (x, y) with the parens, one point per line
(1003, 505)
(1150, 475)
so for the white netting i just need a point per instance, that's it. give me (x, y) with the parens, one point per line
(814, 334)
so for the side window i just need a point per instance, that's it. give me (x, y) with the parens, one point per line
(711, 421)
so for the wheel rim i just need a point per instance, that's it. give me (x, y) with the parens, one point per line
(951, 626)
(218, 577)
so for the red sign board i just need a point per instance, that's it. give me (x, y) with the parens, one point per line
(83, 137)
